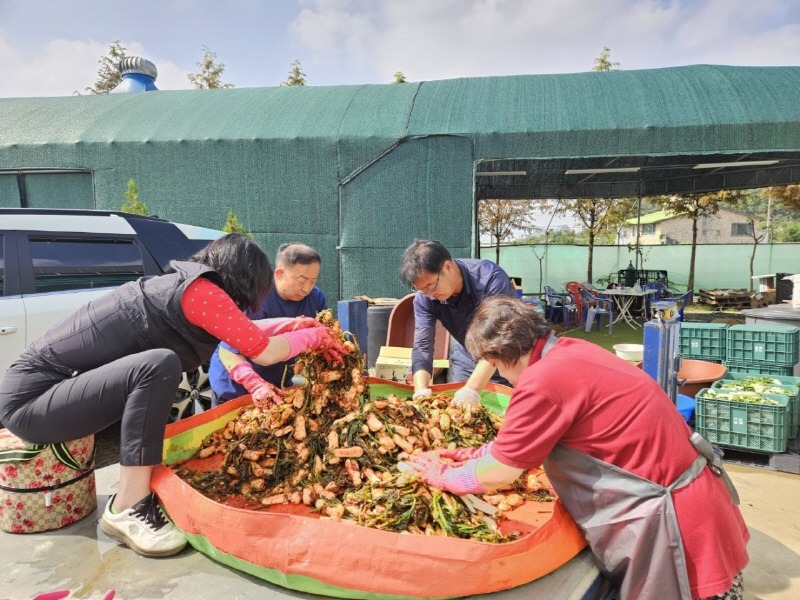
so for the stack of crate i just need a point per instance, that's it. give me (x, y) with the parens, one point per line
(704, 341)
(770, 350)
(762, 426)
(754, 351)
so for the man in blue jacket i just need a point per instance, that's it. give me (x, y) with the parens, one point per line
(449, 290)
(294, 294)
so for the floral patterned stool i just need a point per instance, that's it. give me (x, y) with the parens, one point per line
(45, 486)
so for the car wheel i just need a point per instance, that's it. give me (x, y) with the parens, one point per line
(193, 395)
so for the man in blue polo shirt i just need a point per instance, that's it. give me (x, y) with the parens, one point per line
(294, 294)
(449, 290)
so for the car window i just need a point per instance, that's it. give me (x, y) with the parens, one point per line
(74, 264)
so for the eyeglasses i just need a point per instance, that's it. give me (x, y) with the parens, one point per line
(430, 289)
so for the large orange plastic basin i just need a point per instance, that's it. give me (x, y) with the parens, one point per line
(698, 374)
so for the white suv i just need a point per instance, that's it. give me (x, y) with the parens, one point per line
(53, 261)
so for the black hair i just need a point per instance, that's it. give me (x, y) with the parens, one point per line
(296, 253)
(422, 256)
(244, 268)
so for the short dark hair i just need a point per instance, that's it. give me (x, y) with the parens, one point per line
(296, 253)
(244, 268)
(504, 329)
(422, 256)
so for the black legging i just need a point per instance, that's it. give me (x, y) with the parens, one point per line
(42, 406)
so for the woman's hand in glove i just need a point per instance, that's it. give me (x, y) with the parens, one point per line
(461, 455)
(466, 396)
(315, 338)
(449, 478)
(264, 394)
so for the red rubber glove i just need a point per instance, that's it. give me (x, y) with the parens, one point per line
(315, 338)
(459, 480)
(264, 394)
(460, 455)
(281, 325)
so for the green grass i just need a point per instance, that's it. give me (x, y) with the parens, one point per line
(621, 333)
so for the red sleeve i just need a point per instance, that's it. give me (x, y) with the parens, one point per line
(207, 306)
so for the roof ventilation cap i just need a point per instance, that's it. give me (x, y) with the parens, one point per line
(138, 75)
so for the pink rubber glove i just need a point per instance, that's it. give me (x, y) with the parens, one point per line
(264, 394)
(460, 455)
(454, 479)
(315, 338)
(283, 325)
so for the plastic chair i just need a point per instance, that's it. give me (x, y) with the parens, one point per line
(597, 307)
(559, 303)
(573, 288)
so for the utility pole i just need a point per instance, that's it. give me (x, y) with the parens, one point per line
(769, 219)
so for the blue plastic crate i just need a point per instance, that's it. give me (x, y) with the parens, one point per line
(757, 427)
(705, 341)
(774, 345)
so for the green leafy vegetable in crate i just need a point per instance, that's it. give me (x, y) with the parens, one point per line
(746, 397)
(762, 385)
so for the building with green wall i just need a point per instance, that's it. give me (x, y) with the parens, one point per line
(358, 172)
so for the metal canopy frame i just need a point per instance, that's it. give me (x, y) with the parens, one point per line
(631, 176)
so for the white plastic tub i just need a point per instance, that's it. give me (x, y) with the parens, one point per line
(631, 352)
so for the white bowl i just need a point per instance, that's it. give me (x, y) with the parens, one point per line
(631, 352)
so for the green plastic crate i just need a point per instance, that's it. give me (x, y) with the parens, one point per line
(756, 427)
(774, 345)
(759, 368)
(704, 341)
(791, 391)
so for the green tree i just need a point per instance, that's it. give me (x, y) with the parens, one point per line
(598, 216)
(399, 77)
(501, 218)
(108, 77)
(296, 76)
(210, 75)
(232, 225)
(787, 195)
(603, 62)
(790, 232)
(132, 203)
(695, 207)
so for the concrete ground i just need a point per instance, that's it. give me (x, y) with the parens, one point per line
(80, 558)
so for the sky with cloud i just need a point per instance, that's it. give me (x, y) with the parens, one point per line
(52, 47)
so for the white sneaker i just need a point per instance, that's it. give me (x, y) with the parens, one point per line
(144, 528)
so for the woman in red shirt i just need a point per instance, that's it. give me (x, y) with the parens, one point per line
(660, 522)
(120, 357)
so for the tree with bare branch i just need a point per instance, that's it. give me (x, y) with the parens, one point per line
(502, 218)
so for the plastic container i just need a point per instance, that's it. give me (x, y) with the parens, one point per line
(774, 345)
(705, 341)
(685, 405)
(698, 374)
(758, 427)
(790, 384)
(759, 368)
(631, 352)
